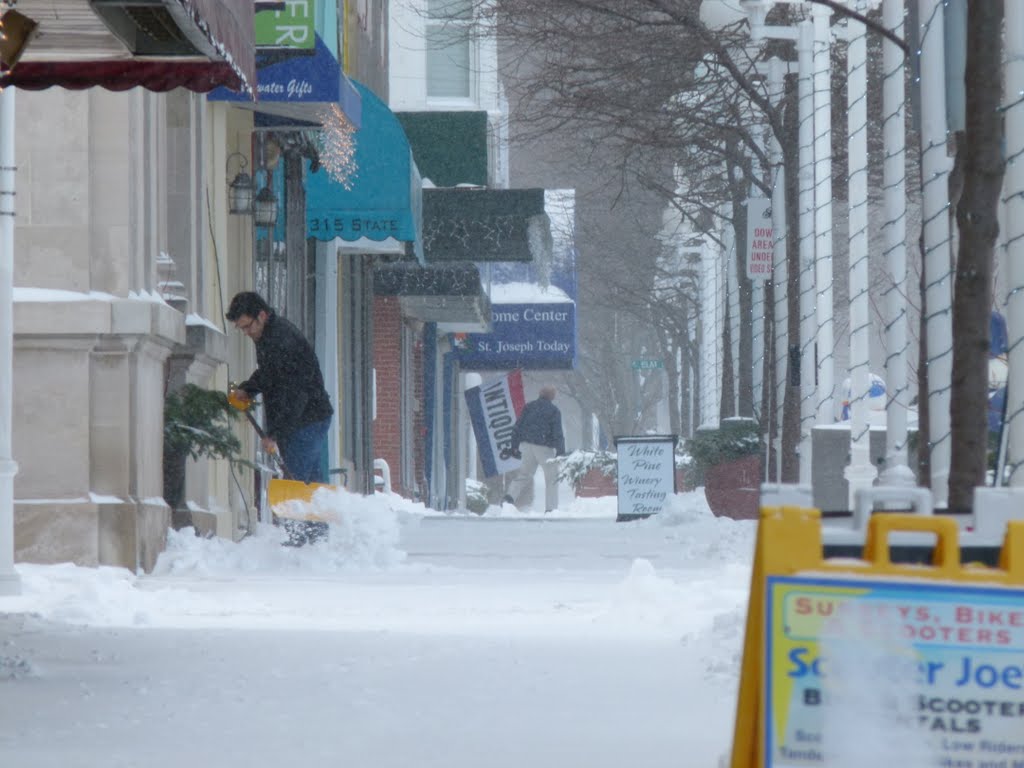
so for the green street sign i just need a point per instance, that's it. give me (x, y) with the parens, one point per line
(648, 365)
(290, 28)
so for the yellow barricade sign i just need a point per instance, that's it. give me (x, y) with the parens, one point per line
(866, 661)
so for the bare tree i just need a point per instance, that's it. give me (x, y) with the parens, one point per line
(983, 166)
(641, 94)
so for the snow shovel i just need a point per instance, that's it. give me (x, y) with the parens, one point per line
(280, 491)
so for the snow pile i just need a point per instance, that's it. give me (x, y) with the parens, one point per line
(703, 536)
(365, 535)
(645, 598)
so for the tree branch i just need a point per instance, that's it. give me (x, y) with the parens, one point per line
(888, 34)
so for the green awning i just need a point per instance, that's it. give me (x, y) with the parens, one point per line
(468, 224)
(450, 147)
(451, 294)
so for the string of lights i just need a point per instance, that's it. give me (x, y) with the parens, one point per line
(338, 146)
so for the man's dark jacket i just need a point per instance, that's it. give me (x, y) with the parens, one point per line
(540, 423)
(288, 375)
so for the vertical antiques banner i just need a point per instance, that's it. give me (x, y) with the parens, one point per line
(493, 410)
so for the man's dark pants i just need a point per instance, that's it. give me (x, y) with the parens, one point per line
(303, 454)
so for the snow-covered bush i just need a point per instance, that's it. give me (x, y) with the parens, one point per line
(578, 463)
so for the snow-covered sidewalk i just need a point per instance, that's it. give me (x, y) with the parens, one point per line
(408, 640)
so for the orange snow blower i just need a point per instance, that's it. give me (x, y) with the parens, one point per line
(282, 490)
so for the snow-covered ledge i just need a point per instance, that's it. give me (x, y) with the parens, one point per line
(39, 311)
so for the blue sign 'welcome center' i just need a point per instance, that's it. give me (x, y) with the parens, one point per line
(529, 336)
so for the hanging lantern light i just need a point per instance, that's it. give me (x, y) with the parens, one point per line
(240, 188)
(265, 208)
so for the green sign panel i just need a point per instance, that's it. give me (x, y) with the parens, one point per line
(290, 28)
(648, 365)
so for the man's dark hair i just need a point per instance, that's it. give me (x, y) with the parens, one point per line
(248, 303)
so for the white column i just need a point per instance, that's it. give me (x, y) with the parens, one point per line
(860, 473)
(894, 232)
(10, 584)
(327, 338)
(710, 374)
(732, 285)
(780, 270)
(757, 310)
(824, 407)
(808, 321)
(1014, 238)
(935, 167)
(721, 298)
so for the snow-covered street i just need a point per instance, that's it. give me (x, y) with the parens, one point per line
(407, 640)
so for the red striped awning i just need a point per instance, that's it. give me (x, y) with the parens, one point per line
(228, 26)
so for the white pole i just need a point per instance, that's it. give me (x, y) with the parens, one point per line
(732, 284)
(935, 167)
(894, 231)
(821, 16)
(10, 584)
(757, 311)
(1014, 238)
(714, 399)
(711, 337)
(808, 325)
(780, 271)
(860, 474)
(721, 297)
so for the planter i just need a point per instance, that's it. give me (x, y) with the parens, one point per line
(596, 483)
(733, 488)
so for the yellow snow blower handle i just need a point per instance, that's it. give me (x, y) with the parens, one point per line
(239, 399)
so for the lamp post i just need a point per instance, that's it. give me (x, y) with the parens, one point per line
(803, 35)
(859, 473)
(710, 369)
(731, 287)
(780, 266)
(776, 68)
(894, 230)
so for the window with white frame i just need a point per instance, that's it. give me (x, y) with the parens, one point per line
(449, 49)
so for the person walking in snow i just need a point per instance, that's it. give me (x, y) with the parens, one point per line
(297, 408)
(537, 439)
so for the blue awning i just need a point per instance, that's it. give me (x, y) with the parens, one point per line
(297, 85)
(382, 211)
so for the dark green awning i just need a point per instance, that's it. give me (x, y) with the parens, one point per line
(448, 294)
(450, 147)
(468, 224)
